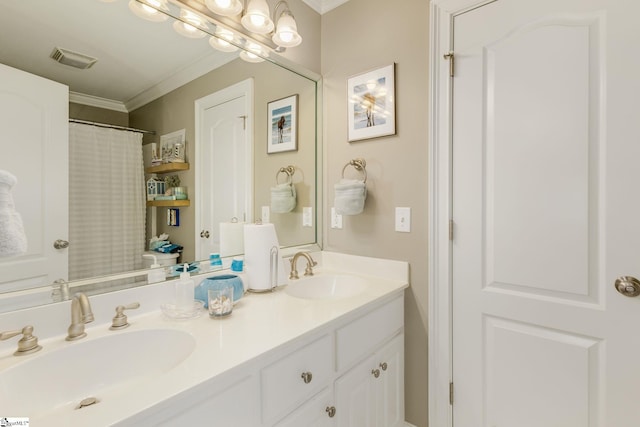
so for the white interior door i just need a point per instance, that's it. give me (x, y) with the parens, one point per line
(34, 133)
(224, 163)
(546, 141)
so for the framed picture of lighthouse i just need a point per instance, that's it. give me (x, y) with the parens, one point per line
(371, 104)
(283, 125)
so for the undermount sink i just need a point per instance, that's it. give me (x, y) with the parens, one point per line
(91, 369)
(326, 286)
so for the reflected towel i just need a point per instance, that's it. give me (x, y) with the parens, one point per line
(283, 198)
(350, 195)
(13, 240)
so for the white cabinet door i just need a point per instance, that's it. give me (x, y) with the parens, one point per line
(372, 393)
(389, 386)
(314, 413)
(355, 396)
(34, 118)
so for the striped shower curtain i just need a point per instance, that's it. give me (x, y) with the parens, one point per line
(106, 201)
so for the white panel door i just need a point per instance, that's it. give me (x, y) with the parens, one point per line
(223, 156)
(546, 142)
(34, 129)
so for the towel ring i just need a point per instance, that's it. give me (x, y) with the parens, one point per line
(289, 171)
(359, 165)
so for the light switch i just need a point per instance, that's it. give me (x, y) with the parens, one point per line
(403, 220)
(307, 216)
(266, 214)
(336, 219)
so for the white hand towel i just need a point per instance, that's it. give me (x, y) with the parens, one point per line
(283, 198)
(13, 240)
(350, 195)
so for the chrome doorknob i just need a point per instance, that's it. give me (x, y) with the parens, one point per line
(61, 244)
(628, 286)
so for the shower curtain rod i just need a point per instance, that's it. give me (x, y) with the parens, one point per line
(104, 125)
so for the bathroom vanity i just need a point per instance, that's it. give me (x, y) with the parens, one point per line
(283, 358)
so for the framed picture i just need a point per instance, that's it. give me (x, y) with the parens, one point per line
(371, 104)
(283, 125)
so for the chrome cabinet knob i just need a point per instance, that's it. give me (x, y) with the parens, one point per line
(204, 234)
(331, 411)
(628, 286)
(61, 244)
(306, 377)
(375, 372)
(383, 365)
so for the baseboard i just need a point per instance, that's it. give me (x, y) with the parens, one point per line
(406, 424)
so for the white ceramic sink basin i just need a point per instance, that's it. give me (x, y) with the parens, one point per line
(90, 368)
(326, 286)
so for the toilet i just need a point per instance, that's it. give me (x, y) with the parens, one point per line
(163, 259)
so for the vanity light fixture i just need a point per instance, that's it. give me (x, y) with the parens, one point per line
(224, 7)
(286, 34)
(256, 17)
(151, 10)
(190, 25)
(223, 40)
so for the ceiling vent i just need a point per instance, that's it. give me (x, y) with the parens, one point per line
(72, 59)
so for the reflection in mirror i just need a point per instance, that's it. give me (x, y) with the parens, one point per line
(153, 104)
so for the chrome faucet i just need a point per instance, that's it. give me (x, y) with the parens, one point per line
(80, 314)
(310, 264)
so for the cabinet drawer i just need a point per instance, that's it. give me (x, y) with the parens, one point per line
(363, 335)
(283, 382)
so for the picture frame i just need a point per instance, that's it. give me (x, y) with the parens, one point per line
(282, 125)
(371, 104)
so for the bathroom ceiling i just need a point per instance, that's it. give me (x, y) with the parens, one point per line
(135, 57)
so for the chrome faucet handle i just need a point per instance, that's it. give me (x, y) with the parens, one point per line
(120, 320)
(27, 344)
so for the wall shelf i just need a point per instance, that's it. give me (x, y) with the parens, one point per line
(167, 167)
(169, 203)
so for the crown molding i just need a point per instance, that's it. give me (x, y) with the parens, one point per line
(95, 101)
(182, 77)
(324, 6)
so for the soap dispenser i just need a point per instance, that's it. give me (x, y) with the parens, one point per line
(156, 273)
(184, 291)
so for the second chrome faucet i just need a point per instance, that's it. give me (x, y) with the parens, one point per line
(80, 314)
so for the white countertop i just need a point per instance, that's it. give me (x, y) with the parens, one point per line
(259, 323)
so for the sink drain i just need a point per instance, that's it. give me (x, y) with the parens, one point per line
(87, 402)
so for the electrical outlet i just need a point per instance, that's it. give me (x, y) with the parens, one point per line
(403, 220)
(336, 219)
(307, 216)
(266, 214)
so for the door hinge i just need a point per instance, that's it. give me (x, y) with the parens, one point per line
(450, 229)
(451, 393)
(451, 59)
(244, 122)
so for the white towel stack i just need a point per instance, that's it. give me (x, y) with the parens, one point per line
(13, 241)
(283, 198)
(350, 195)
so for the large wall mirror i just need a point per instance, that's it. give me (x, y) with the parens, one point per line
(154, 77)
